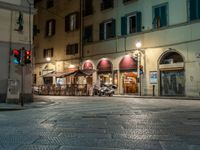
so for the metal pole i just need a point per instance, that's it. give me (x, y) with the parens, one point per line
(140, 74)
(22, 81)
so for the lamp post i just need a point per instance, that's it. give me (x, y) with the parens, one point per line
(138, 46)
(48, 61)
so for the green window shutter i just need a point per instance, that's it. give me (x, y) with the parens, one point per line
(163, 19)
(156, 16)
(113, 27)
(124, 25)
(139, 22)
(193, 10)
(198, 8)
(101, 31)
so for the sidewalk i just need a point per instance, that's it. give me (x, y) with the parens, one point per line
(15, 107)
(159, 97)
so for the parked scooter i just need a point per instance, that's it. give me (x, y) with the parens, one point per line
(105, 90)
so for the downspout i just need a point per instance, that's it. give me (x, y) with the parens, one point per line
(81, 31)
(10, 46)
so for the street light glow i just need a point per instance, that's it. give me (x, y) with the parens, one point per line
(138, 44)
(48, 59)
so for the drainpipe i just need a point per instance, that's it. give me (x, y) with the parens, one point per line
(10, 45)
(81, 31)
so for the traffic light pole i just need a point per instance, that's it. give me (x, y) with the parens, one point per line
(22, 86)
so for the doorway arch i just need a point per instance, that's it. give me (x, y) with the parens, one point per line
(172, 74)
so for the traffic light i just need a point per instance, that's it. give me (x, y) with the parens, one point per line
(27, 59)
(17, 55)
(141, 69)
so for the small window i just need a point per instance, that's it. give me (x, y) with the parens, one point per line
(107, 30)
(72, 49)
(88, 34)
(50, 3)
(88, 7)
(50, 27)
(106, 4)
(194, 9)
(131, 23)
(48, 52)
(160, 15)
(72, 22)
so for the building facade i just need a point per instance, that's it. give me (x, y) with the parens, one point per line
(16, 18)
(167, 62)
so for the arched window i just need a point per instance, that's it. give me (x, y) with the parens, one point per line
(171, 58)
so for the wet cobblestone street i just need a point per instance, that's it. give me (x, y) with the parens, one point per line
(100, 123)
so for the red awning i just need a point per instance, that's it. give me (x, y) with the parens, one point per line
(104, 66)
(128, 63)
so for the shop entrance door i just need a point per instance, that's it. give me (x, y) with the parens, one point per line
(129, 81)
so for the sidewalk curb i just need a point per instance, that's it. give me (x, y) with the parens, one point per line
(158, 97)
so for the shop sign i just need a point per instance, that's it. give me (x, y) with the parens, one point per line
(153, 77)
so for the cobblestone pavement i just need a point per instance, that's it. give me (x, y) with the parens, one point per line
(100, 123)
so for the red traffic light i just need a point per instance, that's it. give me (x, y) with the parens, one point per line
(16, 52)
(28, 52)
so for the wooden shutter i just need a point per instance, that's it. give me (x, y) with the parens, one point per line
(44, 53)
(47, 28)
(77, 20)
(67, 23)
(51, 52)
(123, 25)
(53, 29)
(138, 22)
(76, 48)
(101, 31)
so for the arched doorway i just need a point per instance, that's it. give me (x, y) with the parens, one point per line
(104, 71)
(172, 74)
(128, 73)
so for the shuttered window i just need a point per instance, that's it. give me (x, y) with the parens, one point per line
(88, 7)
(160, 16)
(194, 9)
(131, 23)
(107, 29)
(72, 49)
(106, 4)
(88, 34)
(72, 22)
(48, 52)
(50, 3)
(50, 27)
